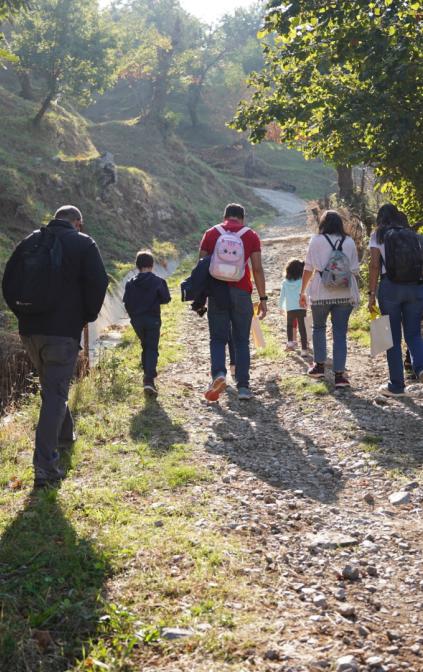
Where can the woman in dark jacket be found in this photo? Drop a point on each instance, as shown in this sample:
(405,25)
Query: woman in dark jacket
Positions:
(403,302)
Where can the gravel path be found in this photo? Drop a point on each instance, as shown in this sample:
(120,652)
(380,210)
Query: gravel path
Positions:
(305,479)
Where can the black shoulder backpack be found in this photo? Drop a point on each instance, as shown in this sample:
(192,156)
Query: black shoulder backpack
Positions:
(403,255)
(33,278)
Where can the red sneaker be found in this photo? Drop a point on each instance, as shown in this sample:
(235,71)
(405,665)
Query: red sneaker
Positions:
(216,388)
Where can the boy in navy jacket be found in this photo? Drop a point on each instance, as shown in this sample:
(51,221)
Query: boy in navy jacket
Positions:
(144,294)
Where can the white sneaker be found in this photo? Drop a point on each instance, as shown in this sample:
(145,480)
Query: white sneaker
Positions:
(304,353)
(384,389)
(291,345)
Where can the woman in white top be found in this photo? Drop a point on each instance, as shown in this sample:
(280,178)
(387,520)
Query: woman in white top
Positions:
(337,302)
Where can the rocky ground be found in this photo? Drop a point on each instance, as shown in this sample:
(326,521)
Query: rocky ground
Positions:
(324,489)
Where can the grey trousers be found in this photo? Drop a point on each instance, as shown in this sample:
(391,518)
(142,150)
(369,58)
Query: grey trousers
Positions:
(54,358)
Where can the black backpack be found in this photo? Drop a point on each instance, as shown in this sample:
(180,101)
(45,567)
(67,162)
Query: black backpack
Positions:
(403,255)
(33,278)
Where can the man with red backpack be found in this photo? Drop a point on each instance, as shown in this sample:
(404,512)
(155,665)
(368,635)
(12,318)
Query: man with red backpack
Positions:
(231,246)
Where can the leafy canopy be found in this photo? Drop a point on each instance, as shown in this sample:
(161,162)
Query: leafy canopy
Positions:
(344,79)
(64,43)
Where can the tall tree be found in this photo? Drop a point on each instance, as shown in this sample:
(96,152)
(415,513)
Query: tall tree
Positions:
(344,80)
(9,8)
(64,44)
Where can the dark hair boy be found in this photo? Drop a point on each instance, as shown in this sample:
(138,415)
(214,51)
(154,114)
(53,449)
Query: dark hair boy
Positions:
(144,294)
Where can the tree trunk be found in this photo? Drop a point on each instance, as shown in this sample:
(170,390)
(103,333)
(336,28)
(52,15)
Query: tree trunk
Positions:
(194,97)
(43,109)
(26,91)
(345,183)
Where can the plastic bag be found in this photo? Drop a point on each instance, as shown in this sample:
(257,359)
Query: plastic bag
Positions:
(256,330)
(380,334)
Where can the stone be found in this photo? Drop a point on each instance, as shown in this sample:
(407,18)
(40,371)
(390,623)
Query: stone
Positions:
(158,523)
(372,570)
(374,661)
(176,633)
(346,610)
(351,573)
(412,485)
(272,654)
(331,540)
(320,602)
(369,499)
(400,497)
(362,631)
(347,664)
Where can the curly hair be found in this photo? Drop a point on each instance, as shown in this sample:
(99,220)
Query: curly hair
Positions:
(294,269)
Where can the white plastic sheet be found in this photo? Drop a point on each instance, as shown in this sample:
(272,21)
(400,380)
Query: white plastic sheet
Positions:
(380,335)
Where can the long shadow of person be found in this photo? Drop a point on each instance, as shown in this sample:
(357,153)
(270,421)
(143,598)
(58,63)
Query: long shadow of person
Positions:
(394,428)
(50,584)
(154,425)
(253,437)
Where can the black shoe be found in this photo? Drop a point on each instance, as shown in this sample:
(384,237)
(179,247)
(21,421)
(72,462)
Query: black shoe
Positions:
(48,481)
(317,371)
(150,390)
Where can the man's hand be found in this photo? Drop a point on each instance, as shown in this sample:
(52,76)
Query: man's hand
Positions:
(303,301)
(262,310)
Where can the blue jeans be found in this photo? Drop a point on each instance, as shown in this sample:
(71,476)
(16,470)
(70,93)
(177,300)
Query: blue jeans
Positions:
(237,317)
(340,314)
(147,328)
(404,305)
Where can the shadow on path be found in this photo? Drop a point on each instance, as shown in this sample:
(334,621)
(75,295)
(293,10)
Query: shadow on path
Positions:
(50,584)
(154,425)
(252,436)
(397,426)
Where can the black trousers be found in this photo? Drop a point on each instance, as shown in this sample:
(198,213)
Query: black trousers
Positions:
(147,328)
(298,315)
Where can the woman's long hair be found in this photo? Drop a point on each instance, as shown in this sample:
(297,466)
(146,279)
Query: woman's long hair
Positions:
(331,222)
(388,217)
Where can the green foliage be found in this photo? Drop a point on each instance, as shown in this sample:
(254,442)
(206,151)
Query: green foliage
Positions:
(344,81)
(8,8)
(65,43)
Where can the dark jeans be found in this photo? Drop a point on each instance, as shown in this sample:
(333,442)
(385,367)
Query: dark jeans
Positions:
(298,315)
(147,328)
(54,358)
(340,315)
(404,305)
(221,320)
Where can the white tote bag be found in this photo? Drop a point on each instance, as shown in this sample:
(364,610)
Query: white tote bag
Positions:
(380,335)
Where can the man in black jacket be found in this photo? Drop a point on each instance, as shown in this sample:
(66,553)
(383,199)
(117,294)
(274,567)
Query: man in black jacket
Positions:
(52,338)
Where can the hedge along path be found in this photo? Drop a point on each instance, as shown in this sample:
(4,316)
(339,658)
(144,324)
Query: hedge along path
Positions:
(190,536)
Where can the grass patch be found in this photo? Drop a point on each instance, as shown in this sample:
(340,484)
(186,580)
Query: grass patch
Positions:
(303,386)
(371,443)
(359,325)
(273,350)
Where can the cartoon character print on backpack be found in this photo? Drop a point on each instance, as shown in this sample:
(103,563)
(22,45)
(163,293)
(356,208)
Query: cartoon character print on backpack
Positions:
(337,272)
(228,258)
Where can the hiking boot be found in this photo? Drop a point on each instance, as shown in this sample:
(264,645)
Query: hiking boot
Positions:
(384,389)
(316,371)
(341,380)
(150,390)
(216,388)
(44,481)
(245,394)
